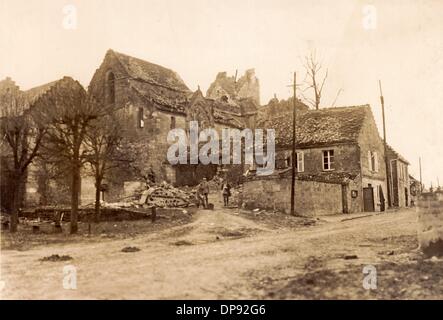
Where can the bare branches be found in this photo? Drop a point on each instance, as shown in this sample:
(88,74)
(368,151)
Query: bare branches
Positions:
(21,136)
(69,113)
(316,78)
(336,97)
(101,150)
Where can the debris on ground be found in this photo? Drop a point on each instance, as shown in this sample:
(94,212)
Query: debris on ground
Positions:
(350,257)
(56,258)
(165,195)
(233,233)
(309,222)
(130,249)
(182,243)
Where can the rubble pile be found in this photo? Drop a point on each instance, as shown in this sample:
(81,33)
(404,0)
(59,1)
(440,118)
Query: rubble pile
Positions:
(165,195)
(162,195)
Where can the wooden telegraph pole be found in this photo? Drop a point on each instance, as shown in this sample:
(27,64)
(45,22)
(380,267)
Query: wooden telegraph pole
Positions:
(421,181)
(388,180)
(294,163)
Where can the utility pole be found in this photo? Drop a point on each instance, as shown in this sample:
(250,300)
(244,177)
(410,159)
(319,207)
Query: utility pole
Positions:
(294,160)
(421,182)
(388,180)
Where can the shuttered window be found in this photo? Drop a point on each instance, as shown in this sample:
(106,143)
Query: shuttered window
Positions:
(376,166)
(300,162)
(373,161)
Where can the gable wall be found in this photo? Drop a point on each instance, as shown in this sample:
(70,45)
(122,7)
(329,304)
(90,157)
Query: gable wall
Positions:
(369,140)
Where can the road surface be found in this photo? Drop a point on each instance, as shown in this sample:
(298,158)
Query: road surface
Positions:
(222,254)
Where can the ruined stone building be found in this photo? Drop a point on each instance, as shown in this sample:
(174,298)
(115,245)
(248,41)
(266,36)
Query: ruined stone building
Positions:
(339,161)
(276,107)
(229,88)
(157,100)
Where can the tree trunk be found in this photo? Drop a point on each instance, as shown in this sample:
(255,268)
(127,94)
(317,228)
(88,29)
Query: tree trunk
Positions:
(98,183)
(15,204)
(74,198)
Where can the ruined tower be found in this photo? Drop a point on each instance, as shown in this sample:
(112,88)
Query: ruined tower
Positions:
(231,88)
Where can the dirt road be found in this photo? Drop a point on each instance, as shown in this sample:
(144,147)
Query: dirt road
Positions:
(225,255)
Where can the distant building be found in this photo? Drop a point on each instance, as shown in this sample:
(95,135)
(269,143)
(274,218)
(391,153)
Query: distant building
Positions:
(415,188)
(231,88)
(399,178)
(276,107)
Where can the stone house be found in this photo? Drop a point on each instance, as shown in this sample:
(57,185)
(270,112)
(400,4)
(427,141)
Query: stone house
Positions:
(339,163)
(399,179)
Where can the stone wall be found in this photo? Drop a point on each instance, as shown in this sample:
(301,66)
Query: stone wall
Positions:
(312,198)
(370,141)
(346,160)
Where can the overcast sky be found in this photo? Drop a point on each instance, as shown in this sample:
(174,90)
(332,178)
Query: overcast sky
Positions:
(198,38)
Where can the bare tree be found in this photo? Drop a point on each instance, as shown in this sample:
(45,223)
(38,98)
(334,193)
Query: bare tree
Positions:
(103,142)
(316,76)
(69,112)
(22,136)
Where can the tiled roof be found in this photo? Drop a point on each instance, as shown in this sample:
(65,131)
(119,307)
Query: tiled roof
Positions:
(222,112)
(226,119)
(31,96)
(152,73)
(36,92)
(162,99)
(319,127)
(392,154)
(158,85)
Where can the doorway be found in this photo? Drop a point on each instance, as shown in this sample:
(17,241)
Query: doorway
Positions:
(406,197)
(368,199)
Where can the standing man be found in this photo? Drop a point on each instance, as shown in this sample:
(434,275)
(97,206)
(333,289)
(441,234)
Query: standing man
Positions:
(226,188)
(204,190)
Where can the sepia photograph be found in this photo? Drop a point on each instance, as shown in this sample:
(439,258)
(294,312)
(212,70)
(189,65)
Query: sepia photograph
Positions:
(201,150)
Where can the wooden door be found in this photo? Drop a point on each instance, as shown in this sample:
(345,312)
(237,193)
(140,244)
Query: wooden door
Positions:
(368,199)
